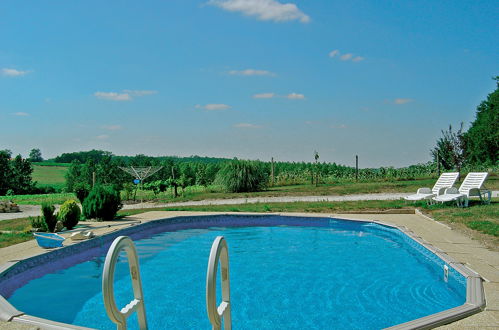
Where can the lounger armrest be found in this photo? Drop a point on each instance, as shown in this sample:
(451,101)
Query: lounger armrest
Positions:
(475,192)
(424,191)
(441,191)
(451,190)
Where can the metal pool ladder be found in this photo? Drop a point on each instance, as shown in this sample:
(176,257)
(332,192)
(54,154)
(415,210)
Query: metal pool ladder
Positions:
(137,304)
(219,251)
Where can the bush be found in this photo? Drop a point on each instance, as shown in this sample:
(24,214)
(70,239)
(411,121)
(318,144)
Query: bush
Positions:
(81,190)
(48,216)
(102,203)
(242,176)
(69,214)
(38,222)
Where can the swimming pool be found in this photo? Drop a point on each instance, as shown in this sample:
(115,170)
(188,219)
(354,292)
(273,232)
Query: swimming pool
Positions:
(286,272)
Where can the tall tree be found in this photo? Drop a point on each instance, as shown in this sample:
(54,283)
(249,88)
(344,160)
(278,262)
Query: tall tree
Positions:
(21,175)
(5,171)
(482,138)
(35,155)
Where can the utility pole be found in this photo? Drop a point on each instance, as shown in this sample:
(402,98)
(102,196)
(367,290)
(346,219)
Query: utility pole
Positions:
(356,168)
(272,172)
(93,179)
(174,184)
(316,156)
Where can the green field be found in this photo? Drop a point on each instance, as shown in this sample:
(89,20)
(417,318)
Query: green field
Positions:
(49,175)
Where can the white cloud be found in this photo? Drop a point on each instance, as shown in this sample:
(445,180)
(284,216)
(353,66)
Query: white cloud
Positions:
(112,96)
(246,125)
(251,72)
(213,106)
(139,93)
(102,137)
(264,10)
(295,96)
(402,101)
(264,96)
(125,95)
(13,72)
(112,127)
(346,57)
(21,114)
(333,53)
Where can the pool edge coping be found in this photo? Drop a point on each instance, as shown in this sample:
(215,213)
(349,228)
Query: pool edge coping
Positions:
(475,297)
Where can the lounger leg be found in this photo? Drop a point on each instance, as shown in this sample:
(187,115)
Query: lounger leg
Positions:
(466,200)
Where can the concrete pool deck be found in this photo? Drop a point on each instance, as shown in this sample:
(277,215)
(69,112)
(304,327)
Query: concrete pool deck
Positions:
(461,248)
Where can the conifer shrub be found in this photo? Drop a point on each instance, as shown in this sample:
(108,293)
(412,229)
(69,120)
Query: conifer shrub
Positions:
(102,203)
(48,216)
(81,190)
(69,214)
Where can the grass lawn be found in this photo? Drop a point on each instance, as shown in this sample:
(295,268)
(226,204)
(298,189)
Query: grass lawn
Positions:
(38,199)
(20,228)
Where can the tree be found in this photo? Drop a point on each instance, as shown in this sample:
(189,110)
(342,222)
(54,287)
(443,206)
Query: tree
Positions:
(5,171)
(482,138)
(451,149)
(35,155)
(21,175)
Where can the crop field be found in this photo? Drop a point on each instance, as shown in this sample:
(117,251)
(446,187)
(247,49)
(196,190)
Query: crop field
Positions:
(49,175)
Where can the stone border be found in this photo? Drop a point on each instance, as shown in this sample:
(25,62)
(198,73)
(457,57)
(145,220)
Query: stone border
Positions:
(475,298)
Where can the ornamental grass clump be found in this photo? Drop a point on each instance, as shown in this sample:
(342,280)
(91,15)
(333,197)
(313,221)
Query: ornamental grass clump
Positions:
(242,176)
(69,214)
(102,203)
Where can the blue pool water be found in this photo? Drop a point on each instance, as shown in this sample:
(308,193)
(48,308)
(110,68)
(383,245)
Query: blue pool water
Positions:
(336,275)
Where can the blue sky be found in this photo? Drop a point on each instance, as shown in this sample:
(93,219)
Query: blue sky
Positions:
(251,79)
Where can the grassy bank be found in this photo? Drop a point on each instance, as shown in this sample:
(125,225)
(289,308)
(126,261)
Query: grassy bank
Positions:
(38,199)
(19,231)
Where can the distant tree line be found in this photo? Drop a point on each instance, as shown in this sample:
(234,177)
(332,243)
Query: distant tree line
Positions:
(477,147)
(98,155)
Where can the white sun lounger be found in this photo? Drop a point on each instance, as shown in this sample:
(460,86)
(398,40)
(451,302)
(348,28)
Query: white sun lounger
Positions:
(446,180)
(472,186)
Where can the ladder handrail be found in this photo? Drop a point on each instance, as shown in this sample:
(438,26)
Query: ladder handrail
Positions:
(219,251)
(137,304)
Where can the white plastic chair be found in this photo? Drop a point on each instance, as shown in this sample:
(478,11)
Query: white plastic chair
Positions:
(472,186)
(445,181)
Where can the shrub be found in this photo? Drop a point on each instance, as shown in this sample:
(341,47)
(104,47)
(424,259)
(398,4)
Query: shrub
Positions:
(48,216)
(102,203)
(38,222)
(69,214)
(81,190)
(242,176)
